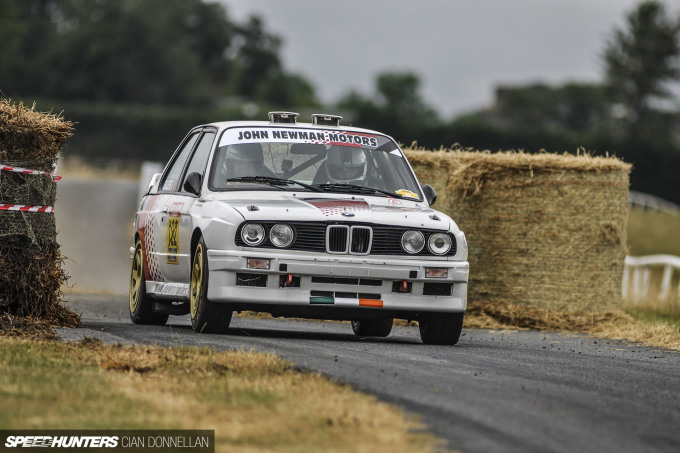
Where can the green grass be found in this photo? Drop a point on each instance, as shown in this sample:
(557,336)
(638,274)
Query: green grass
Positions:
(253,401)
(651,233)
(653,316)
(39,385)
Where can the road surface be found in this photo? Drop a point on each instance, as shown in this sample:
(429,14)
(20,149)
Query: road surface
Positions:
(496,391)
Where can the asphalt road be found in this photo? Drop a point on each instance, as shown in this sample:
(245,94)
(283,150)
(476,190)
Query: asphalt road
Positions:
(505,391)
(96,215)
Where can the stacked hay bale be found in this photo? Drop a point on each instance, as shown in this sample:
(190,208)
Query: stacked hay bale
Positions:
(31,273)
(544,230)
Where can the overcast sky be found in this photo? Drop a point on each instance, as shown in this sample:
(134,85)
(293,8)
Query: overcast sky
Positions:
(460,49)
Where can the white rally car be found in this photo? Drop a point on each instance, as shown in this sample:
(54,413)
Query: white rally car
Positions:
(311,220)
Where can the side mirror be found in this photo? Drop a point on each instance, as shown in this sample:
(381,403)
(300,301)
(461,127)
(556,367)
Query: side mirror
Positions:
(192,183)
(152,182)
(430,194)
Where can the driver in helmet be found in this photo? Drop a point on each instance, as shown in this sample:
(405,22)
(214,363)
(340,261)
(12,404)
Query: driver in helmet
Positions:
(243,159)
(345,165)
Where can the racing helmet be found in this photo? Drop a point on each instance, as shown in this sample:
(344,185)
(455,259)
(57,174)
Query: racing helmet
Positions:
(243,159)
(345,164)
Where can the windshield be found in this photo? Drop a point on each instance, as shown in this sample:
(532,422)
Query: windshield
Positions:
(277,158)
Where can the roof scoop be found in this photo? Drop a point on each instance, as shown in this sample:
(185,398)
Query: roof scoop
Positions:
(322,119)
(283,117)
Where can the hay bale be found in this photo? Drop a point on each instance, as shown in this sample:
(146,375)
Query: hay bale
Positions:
(31,266)
(544,230)
(30,278)
(31,137)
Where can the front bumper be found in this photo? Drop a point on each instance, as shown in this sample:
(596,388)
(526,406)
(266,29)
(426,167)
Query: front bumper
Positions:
(347,281)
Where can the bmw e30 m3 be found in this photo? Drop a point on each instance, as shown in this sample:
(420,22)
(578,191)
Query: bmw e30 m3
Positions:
(310,220)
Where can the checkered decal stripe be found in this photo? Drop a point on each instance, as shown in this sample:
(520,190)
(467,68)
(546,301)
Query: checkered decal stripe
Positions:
(150,247)
(329,208)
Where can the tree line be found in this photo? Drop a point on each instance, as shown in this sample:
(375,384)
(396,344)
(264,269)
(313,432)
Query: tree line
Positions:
(136,74)
(631,113)
(172,52)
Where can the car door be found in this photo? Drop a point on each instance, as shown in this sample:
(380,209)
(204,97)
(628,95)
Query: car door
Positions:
(180,221)
(165,213)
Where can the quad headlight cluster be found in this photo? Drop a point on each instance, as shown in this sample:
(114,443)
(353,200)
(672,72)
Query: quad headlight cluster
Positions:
(281,235)
(413,241)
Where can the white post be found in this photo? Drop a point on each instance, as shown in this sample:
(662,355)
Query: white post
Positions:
(666,281)
(645,282)
(637,277)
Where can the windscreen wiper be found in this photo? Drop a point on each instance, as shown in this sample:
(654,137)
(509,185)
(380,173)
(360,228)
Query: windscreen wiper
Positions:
(274,181)
(353,188)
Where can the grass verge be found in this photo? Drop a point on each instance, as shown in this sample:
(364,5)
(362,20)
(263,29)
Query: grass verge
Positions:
(634,326)
(253,401)
(653,232)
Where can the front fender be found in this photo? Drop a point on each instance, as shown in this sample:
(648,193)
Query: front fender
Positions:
(217,223)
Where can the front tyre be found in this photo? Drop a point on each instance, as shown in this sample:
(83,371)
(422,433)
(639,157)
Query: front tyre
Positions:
(372,327)
(206,316)
(141,305)
(440,328)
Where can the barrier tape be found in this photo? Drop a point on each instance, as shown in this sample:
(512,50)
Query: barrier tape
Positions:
(25,208)
(26,171)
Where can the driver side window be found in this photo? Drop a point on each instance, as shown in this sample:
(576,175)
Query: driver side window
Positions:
(171,181)
(200,158)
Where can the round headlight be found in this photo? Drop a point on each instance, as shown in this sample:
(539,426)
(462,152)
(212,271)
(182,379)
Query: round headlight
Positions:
(439,243)
(252,234)
(412,241)
(281,235)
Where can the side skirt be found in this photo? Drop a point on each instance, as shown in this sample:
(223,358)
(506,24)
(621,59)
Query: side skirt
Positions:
(168,291)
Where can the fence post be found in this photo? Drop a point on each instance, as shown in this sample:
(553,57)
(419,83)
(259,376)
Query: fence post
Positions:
(637,277)
(645,282)
(666,281)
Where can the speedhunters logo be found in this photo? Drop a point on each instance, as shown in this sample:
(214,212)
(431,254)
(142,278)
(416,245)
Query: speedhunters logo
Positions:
(110,440)
(62,441)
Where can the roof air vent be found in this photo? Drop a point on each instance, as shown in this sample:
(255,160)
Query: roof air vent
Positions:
(283,117)
(321,119)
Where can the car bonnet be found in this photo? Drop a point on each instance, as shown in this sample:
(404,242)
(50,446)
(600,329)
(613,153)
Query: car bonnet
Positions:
(306,207)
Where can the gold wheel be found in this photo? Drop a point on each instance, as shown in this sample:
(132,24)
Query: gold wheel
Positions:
(196,280)
(136,279)
(141,305)
(206,316)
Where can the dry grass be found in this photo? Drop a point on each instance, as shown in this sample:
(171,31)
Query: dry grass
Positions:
(37,328)
(612,324)
(255,402)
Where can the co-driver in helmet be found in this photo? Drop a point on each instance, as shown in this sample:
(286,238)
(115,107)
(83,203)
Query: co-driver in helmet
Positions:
(243,159)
